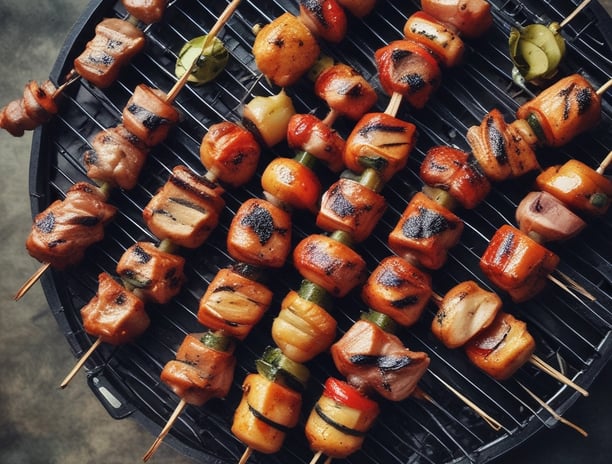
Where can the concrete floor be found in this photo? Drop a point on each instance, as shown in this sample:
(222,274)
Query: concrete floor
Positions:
(41,424)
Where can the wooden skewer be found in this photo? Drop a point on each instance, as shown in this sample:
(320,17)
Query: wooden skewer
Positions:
(394,104)
(574,13)
(604,164)
(601,90)
(567,289)
(27,285)
(542,365)
(246,455)
(316,457)
(80,363)
(225,16)
(554,413)
(177,412)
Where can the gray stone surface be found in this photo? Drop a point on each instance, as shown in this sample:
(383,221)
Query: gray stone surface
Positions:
(41,424)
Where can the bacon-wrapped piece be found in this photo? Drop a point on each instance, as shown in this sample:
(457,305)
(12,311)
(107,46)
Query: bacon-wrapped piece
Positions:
(234,302)
(185,210)
(308,133)
(147,11)
(116,157)
(303,328)
(502,348)
(578,186)
(562,111)
(351,207)
(285,49)
(36,107)
(324,18)
(340,420)
(375,361)
(425,232)
(503,150)
(465,311)
(329,263)
(345,91)
(435,35)
(290,184)
(260,234)
(544,218)
(408,68)
(230,153)
(114,315)
(398,289)
(149,116)
(517,264)
(456,172)
(203,368)
(116,42)
(380,141)
(155,274)
(471,18)
(66,228)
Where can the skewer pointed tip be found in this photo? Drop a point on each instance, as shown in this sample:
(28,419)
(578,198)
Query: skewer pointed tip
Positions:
(158,441)
(28,284)
(80,363)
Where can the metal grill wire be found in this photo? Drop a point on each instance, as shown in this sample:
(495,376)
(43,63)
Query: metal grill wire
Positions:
(573,334)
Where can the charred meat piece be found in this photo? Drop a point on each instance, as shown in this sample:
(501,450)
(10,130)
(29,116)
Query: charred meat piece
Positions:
(465,311)
(155,274)
(329,263)
(425,232)
(345,91)
(116,42)
(37,106)
(517,264)
(66,228)
(260,234)
(562,111)
(324,18)
(308,133)
(149,116)
(502,348)
(381,142)
(203,368)
(230,153)
(233,304)
(375,361)
(472,18)
(398,289)
(285,49)
(114,315)
(351,207)
(185,210)
(456,172)
(408,68)
(116,157)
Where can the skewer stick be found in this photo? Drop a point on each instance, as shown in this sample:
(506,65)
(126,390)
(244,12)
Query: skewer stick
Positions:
(80,363)
(225,16)
(563,286)
(246,455)
(542,365)
(574,13)
(27,285)
(394,104)
(493,423)
(316,457)
(177,412)
(576,286)
(604,164)
(603,89)
(554,413)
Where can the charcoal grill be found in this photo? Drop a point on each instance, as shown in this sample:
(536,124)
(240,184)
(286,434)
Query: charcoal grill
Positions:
(573,333)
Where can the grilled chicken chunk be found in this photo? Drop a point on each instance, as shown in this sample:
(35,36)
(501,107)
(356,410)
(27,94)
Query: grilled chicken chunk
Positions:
(373,360)
(114,315)
(472,18)
(66,228)
(116,42)
(324,18)
(37,106)
(147,11)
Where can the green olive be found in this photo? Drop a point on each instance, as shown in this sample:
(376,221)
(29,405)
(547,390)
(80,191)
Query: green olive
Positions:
(210,59)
